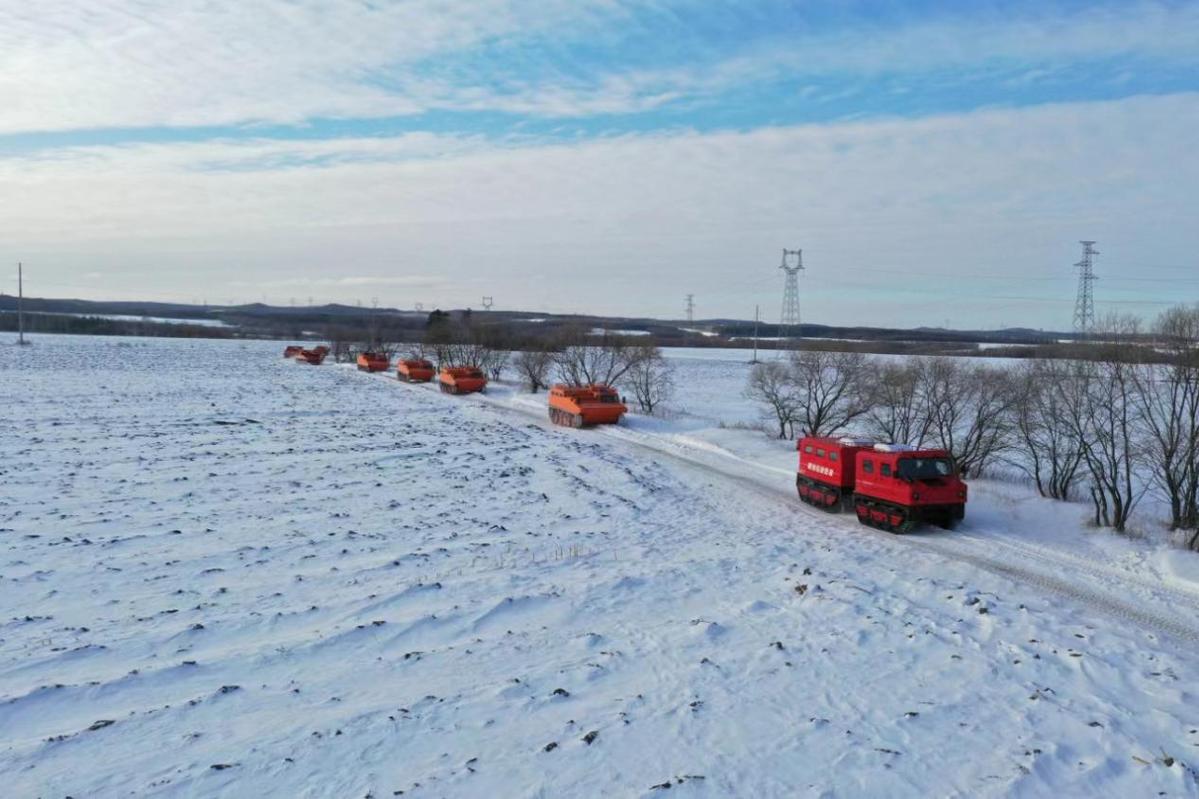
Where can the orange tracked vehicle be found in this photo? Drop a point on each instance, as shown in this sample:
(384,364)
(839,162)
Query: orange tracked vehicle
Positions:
(292,350)
(314,356)
(414,370)
(584,406)
(373,362)
(462,379)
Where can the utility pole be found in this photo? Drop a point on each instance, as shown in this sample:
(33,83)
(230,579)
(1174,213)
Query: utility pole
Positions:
(790,315)
(21,304)
(757,316)
(1084,304)
(690,307)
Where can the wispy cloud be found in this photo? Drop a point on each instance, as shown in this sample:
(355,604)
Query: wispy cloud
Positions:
(76,64)
(73,64)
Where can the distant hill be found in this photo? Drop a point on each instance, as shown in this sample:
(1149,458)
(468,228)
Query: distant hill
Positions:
(259,319)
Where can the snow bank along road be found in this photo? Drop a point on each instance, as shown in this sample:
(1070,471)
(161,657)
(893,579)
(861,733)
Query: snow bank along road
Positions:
(225,574)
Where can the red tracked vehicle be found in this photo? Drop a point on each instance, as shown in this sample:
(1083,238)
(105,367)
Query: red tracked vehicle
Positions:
(373,362)
(314,356)
(292,350)
(414,370)
(889,486)
(584,406)
(462,379)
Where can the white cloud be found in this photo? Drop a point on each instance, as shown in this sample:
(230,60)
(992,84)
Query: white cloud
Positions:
(68,64)
(75,64)
(626,223)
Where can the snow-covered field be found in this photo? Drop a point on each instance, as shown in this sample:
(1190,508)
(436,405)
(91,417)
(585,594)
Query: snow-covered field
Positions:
(227,574)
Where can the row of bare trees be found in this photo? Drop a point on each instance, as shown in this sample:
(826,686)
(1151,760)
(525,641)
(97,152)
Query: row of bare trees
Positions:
(1109,429)
(573,356)
(928,401)
(577,358)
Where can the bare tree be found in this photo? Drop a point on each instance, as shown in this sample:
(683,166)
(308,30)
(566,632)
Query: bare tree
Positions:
(828,386)
(771,383)
(341,343)
(533,366)
(496,345)
(897,405)
(1167,399)
(464,344)
(418,351)
(968,410)
(1107,421)
(1047,445)
(651,378)
(381,346)
(604,359)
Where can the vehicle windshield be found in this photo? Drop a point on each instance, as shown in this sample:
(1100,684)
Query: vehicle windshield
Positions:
(924,468)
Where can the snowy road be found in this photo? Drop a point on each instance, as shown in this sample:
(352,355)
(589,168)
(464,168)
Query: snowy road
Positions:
(225,574)
(985,540)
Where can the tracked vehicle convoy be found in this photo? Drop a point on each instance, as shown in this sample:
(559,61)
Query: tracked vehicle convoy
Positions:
(585,406)
(889,486)
(892,487)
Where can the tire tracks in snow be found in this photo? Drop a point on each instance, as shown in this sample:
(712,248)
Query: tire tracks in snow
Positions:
(1100,595)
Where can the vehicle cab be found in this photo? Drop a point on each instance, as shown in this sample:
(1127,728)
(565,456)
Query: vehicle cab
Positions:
(926,481)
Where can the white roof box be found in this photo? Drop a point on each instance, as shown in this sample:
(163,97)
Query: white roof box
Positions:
(850,441)
(894,448)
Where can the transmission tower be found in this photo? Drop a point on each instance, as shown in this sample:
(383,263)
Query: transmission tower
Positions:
(487,303)
(790,317)
(1084,306)
(690,307)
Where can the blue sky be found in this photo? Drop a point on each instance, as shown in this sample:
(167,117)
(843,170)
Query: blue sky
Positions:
(937,161)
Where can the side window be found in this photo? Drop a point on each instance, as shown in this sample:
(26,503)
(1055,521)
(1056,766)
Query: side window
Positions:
(832,456)
(808,448)
(819,452)
(885,469)
(868,466)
